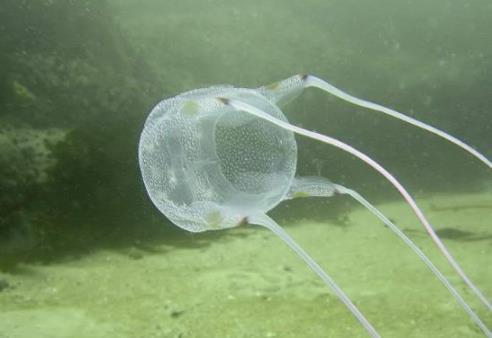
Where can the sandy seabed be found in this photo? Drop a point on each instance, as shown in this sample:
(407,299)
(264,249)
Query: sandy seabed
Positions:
(248,283)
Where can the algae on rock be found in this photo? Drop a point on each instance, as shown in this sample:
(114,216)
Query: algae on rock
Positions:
(72,90)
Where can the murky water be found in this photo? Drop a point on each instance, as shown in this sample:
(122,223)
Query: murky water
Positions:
(83,252)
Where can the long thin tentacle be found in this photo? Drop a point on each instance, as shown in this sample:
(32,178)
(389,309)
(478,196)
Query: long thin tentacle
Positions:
(313,81)
(269,223)
(342,190)
(243,106)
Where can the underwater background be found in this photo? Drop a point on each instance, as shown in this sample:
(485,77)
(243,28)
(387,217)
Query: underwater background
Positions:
(84,253)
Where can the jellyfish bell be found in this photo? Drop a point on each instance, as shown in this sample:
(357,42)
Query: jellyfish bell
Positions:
(201,158)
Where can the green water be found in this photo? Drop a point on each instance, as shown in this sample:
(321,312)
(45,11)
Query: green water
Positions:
(83,252)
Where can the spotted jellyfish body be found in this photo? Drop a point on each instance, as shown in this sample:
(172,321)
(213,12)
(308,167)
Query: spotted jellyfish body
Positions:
(207,166)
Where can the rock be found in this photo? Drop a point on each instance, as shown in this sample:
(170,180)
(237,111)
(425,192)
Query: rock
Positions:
(176,313)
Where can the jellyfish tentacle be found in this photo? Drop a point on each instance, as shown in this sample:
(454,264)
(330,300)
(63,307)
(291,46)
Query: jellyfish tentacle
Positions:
(243,106)
(313,81)
(322,187)
(286,90)
(267,222)
(356,196)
